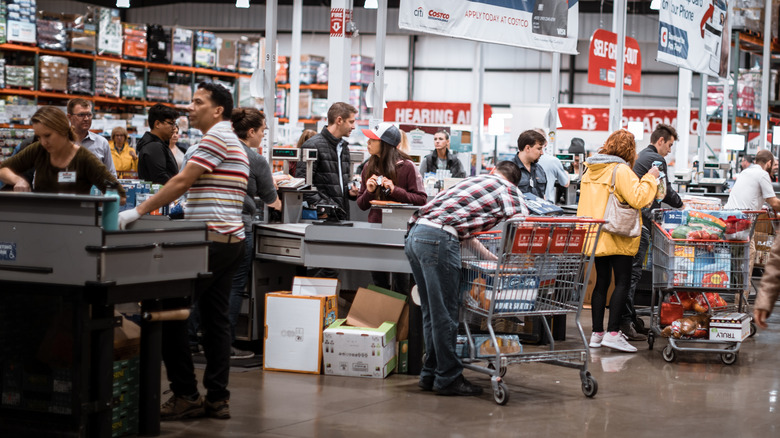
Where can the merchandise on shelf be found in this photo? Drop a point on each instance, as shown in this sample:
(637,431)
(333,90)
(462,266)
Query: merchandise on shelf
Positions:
(79,80)
(135,41)
(20,76)
(361,70)
(748,15)
(226,54)
(20,21)
(53,74)
(319,107)
(282,69)
(205,49)
(52,33)
(133,83)
(181,93)
(109,32)
(357,100)
(247,56)
(182,46)
(2,72)
(82,33)
(159,40)
(3,14)
(107,78)
(10,138)
(281,103)
(322,73)
(245,99)
(309,66)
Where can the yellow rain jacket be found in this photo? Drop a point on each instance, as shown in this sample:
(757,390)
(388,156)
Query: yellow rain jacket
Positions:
(594,191)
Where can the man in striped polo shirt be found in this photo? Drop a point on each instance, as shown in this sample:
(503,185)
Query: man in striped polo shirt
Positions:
(215,178)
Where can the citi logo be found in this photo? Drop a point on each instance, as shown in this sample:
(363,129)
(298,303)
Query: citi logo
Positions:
(419,12)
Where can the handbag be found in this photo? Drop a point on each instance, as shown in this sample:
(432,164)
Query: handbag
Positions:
(622,219)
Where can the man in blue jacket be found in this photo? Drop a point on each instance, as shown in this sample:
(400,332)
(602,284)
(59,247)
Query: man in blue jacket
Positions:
(661,141)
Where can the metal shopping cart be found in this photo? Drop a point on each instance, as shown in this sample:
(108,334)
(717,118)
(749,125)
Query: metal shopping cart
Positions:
(702,270)
(537,266)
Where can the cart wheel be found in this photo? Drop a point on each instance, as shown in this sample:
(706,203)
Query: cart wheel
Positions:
(590,386)
(501,394)
(728,358)
(669,354)
(650,340)
(753,329)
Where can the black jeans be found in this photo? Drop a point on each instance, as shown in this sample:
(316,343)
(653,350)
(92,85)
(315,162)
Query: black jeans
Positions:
(211,297)
(629,314)
(605,266)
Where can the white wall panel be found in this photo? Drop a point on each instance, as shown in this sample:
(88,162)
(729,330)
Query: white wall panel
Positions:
(443,86)
(443,52)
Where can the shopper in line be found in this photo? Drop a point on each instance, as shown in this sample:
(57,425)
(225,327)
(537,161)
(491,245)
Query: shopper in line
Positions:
(530,147)
(436,233)
(249,126)
(60,165)
(773,173)
(553,172)
(769,289)
(614,254)
(661,141)
(331,173)
(215,180)
(747,161)
(442,158)
(156,162)
(173,145)
(124,157)
(305,135)
(80,116)
(389,175)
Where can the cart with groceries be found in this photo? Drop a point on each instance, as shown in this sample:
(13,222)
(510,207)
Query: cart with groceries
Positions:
(701,263)
(535,266)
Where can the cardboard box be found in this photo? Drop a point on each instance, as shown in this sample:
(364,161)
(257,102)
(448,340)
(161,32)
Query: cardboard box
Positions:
(315,286)
(375,305)
(127,339)
(729,327)
(359,351)
(293,331)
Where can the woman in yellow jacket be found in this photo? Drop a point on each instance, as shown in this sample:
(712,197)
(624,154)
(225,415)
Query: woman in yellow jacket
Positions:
(613,252)
(125,158)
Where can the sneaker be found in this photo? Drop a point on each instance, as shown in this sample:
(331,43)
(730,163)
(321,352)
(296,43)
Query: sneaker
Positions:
(179,408)
(236,353)
(617,342)
(460,386)
(219,409)
(595,339)
(426,383)
(629,329)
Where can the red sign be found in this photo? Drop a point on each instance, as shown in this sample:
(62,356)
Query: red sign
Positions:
(337,22)
(602,61)
(431,113)
(597,119)
(530,240)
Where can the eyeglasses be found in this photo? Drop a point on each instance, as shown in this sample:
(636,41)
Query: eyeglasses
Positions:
(170,122)
(83,115)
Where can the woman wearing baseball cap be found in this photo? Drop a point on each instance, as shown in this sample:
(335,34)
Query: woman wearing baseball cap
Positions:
(389,175)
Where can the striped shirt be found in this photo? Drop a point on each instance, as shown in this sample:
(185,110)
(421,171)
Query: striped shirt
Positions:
(473,205)
(217,196)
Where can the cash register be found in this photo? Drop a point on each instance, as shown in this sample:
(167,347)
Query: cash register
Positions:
(712,178)
(572,165)
(291,191)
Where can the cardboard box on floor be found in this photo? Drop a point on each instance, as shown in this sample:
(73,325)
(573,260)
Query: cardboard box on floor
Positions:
(364,344)
(294,322)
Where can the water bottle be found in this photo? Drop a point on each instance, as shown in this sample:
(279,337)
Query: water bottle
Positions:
(660,193)
(111,208)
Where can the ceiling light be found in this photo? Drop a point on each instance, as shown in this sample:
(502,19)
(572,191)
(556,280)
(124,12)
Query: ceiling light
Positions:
(370,4)
(122,3)
(655,5)
(242,4)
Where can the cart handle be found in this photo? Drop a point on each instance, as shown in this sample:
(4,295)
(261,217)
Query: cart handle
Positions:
(573,220)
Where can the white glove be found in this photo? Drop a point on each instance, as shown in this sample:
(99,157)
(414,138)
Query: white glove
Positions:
(127,217)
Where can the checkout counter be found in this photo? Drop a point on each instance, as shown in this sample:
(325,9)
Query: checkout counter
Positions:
(61,275)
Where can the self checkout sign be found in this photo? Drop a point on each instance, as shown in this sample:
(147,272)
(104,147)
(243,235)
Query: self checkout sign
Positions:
(337,22)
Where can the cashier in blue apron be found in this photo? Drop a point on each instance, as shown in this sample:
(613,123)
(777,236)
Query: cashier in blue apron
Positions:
(530,146)
(60,165)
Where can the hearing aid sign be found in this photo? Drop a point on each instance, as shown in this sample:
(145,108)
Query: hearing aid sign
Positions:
(694,34)
(546,25)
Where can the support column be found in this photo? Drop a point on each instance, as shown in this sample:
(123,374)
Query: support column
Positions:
(269,103)
(765,74)
(295,63)
(556,88)
(339,52)
(684,84)
(379,61)
(478,108)
(616,94)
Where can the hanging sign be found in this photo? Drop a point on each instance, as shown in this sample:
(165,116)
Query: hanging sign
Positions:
(694,34)
(547,25)
(583,118)
(431,113)
(602,61)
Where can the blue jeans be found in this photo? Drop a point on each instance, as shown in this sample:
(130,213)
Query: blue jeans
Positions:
(434,256)
(239,282)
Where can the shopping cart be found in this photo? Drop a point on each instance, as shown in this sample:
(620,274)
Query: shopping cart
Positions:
(697,269)
(536,266)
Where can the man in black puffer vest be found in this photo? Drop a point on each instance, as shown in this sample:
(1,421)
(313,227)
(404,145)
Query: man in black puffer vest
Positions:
(331,172)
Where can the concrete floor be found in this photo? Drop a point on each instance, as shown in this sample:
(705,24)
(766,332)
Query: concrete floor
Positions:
(639,395)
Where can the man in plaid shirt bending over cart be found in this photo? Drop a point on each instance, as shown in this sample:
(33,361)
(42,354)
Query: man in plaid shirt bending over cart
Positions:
(433,245)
